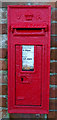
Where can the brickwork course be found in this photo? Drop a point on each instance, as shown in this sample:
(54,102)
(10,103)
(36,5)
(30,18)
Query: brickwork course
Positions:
(4,67)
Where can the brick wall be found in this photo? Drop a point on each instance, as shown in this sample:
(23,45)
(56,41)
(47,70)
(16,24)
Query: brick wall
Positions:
(4,67)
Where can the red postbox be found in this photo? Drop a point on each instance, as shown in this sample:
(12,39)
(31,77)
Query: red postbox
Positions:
(28,58)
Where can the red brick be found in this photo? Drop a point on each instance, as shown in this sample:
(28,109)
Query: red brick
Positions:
(3,77)
(56,4)
(54,15)
(53,28)
(3,90)
(3,53)
(53,92)
(51,115)
(0,65)
(3,102)
(52,67)
(0,28)
(53,104)
(3,65)
(56,67)
(3,28)
(56,115)
(53,80)
(53,41)
(53,54)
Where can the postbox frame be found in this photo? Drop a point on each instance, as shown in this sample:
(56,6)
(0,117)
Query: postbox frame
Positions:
(12,108)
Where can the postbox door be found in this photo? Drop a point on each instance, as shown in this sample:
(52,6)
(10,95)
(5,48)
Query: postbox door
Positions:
(28,75)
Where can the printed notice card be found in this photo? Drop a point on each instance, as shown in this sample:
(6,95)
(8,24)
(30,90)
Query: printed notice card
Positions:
(27,57)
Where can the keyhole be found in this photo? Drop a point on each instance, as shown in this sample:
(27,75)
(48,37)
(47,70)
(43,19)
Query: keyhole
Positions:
(21,79)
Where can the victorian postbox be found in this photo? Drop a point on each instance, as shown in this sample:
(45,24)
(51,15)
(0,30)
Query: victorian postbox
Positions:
(28,58)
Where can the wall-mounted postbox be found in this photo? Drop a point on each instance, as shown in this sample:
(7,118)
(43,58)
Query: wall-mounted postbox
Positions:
(28,58)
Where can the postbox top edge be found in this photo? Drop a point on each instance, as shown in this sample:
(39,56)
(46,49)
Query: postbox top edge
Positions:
(29,6)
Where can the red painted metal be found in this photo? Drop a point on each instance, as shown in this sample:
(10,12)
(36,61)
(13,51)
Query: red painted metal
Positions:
(28,91)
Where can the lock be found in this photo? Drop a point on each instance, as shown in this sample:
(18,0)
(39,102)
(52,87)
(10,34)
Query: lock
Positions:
(24,80)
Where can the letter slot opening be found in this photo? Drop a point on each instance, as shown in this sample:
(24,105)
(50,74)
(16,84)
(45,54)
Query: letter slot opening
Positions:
(29,31)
